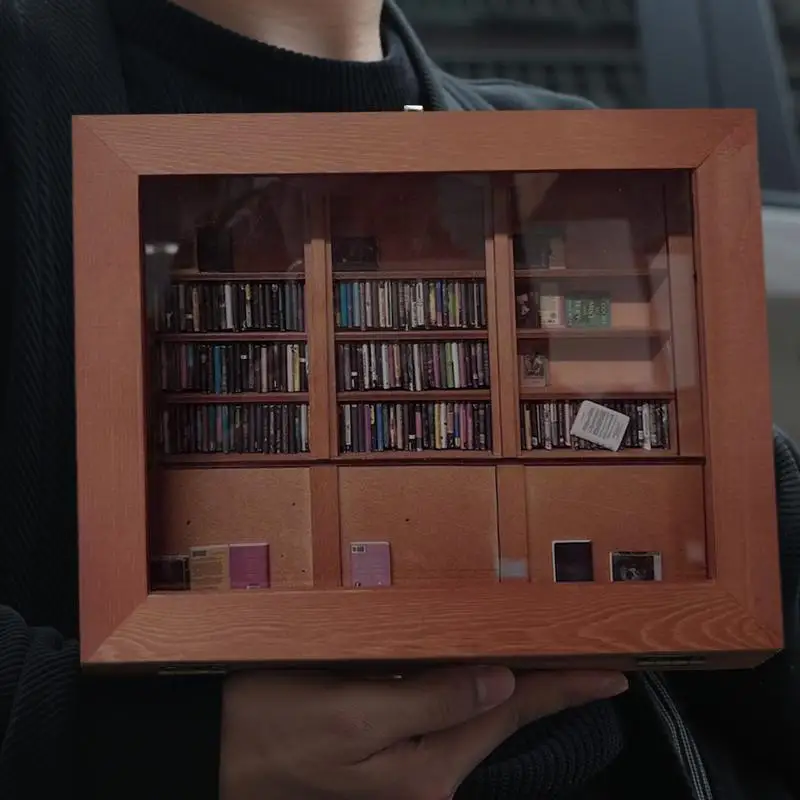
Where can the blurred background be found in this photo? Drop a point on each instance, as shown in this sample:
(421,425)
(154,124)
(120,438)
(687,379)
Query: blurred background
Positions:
(665,54)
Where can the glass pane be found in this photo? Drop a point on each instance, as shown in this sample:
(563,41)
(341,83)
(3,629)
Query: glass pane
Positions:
(411,314)
(225,286)
(224,261)
(415,332)
(594,313)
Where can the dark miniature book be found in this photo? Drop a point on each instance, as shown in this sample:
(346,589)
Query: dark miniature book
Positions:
(541,247)
(533,371)
(635,566)
(169,574)
(573,562)
(214,248)
(354,252)
(527,310)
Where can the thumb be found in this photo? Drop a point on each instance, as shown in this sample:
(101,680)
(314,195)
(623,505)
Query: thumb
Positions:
(459,750)
(436,700)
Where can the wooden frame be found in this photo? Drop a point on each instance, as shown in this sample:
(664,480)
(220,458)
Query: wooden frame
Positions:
(732,618)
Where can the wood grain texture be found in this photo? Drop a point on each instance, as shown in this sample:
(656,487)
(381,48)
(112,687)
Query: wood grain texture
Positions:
(505,383)
(112,492)
(319,328)
(396,143)
(497,343)
(510,620)
(512,523)
(450,517)
(325,527)
(738,416)
(685,335)
(441,522)
(659,508)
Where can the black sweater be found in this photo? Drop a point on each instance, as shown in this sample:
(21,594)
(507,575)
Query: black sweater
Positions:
(61,734)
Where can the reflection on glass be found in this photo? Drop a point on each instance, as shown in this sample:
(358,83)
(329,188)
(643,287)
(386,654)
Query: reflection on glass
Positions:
(593,311)
(224,267)
(411,317)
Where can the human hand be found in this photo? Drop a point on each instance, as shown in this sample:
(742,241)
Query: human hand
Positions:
(293,736)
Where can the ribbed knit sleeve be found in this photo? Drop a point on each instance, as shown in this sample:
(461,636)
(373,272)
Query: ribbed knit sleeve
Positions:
(755,713)
(70,736)
(155,738)
(38,703)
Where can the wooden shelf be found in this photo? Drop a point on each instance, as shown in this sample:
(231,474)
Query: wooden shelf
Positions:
(581,274)
(592,333)
(431,395)
(234,459)
(587,393)
(439,334)
(414,274)
(588,456)
(229,336)
(527,457)
(200,398)
(414,267)
(234,277)
(426,456)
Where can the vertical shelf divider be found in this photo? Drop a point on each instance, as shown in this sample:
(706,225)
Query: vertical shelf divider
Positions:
(319,326)
(688,415)
(502,334)
(324,478)
(492,317)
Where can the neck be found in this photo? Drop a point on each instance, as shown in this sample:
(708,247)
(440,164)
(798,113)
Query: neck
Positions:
(346,30)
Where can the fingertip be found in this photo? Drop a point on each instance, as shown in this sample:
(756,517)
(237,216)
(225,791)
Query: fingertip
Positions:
(577,687)
(598,685)
(611,685)
(493,686)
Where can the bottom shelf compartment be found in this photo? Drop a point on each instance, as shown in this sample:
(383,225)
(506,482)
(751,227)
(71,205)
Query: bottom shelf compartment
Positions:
(222,511)
(412,526)
(616,523)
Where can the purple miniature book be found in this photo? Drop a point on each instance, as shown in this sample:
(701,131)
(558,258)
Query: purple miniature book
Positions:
(370,564)
(249,566)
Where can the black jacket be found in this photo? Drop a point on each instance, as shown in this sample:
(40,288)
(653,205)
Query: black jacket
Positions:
(731,736)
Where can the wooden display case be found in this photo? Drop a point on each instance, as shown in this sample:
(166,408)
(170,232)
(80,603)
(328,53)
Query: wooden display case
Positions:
(423,387)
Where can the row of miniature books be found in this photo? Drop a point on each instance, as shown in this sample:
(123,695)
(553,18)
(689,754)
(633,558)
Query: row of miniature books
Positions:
(421,304)
(229,566)
(413,304)
(229,307)
(385,427)
(414,427)
(244,428)
(573,562)
(589,425)
(412,366)
(231,368)
(247,566)
(546,306)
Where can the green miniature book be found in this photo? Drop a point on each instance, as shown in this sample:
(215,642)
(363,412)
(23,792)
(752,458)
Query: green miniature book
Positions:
(588,311)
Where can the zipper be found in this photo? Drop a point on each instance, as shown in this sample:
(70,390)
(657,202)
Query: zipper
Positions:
(680,737)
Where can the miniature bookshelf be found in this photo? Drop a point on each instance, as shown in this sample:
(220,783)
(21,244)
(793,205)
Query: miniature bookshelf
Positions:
(400,281)
(474,402)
